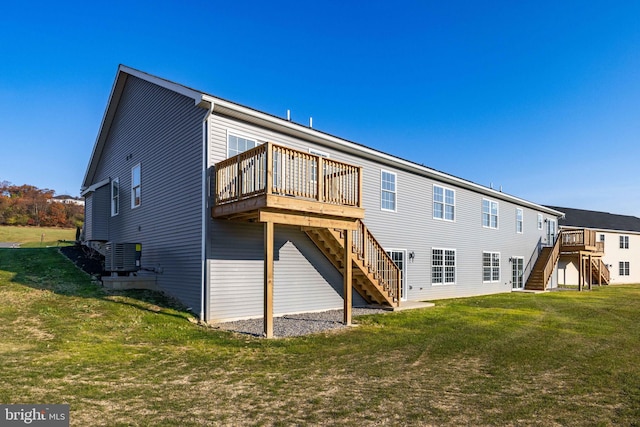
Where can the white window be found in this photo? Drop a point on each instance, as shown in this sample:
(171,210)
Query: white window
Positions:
(489,213)
(388,191)
(444,203)
(624,268)
(519,220)
(115,197)
(443,266)
(539,221)
(490,267)
(624,242)
(239,144)
(135,186)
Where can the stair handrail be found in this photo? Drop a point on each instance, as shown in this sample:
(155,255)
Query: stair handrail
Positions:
(375,257)
(532,260)
(551,261)
(603,270)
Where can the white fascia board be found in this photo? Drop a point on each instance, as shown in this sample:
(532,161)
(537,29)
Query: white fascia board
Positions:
(95,186)
(378,156)
(175,87)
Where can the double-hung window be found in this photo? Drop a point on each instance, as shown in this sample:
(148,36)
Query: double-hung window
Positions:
(624,242)
(115,197)
(239,144)
(519,220)
(136,186)
(624,268)
(443,266)
(489,213)
(539,221)
(444,203)
(388,191)
(490,267)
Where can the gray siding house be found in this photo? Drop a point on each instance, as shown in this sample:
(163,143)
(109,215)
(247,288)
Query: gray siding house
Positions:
(244,214)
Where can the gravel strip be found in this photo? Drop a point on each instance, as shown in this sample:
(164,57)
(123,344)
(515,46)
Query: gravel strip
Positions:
(295,325)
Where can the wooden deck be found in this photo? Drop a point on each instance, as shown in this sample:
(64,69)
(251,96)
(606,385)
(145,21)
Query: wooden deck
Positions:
(581,240)
(275,183)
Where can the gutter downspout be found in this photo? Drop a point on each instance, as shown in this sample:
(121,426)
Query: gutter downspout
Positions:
(205,192)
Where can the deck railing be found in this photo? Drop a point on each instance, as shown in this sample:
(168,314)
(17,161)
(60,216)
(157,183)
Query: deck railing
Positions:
(367,248)
(277,170)
(551,261)
(580,238)
(603,270)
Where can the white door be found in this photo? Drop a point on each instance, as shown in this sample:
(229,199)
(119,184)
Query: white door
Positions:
(399,256)
(551,232)
(517,267)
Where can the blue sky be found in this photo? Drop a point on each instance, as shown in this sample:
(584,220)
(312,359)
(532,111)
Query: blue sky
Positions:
(541,98)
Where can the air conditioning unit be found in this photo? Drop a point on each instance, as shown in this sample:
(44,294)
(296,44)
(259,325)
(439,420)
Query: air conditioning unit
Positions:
(122,257)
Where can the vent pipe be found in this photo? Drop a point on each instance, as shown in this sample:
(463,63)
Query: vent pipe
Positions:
(288,115)
(310,122)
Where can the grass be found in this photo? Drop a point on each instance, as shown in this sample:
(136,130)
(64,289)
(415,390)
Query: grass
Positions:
(34,237)
(563,358)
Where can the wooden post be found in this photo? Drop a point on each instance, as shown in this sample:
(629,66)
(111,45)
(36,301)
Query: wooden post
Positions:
(579,271)
(360,187)
(599,271)
(348,289)
(268,189)
(320,179)
(399,291)
(590,271)
(268,279)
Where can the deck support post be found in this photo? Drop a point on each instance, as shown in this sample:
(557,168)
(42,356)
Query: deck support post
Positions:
(590,272)
(599,271)
(580,271)
(268,279)
(347,276)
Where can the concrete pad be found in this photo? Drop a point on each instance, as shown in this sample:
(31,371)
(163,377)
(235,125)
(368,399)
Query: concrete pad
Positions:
(118,283)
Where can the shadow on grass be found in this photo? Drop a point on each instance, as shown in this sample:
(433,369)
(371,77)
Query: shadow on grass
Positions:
(48,269)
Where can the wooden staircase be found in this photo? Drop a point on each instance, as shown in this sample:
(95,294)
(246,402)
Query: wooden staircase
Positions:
(374,274)
(600,272)
(543,268)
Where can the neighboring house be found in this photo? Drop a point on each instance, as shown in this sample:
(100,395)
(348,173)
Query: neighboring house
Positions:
(67,200)
(617,238)
(243,214)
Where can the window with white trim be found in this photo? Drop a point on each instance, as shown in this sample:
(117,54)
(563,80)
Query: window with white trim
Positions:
(624,242)
(624,268)
(539,221)
(602,238)
(443,266)
(490,267)
(489,213)
(239,144)
(115,197)
(519,220)
(444,203)
(388,191)
(136,186)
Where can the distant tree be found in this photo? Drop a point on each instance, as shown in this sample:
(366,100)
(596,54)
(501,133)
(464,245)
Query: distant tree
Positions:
(29,205)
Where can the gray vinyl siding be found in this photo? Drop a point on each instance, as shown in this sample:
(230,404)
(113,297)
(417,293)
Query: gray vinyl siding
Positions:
(162,131)
(97,212)
(304,280)
(411,228)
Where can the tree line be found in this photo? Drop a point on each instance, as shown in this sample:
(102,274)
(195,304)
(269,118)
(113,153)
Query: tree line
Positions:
(29,205)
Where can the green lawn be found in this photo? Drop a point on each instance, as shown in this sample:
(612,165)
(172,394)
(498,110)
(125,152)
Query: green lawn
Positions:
(33,237)
(563,358)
